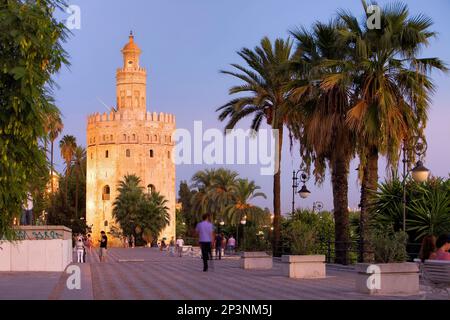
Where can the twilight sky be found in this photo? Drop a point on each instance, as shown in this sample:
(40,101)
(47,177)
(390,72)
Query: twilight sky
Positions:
(186,42)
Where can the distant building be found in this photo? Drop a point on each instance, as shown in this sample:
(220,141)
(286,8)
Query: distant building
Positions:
(54,180)
(128,140)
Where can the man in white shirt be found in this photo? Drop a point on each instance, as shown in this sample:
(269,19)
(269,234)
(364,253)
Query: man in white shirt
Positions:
(205,231)
(180,244)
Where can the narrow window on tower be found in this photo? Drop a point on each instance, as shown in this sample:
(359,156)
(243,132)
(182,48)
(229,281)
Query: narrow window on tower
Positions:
(134,137)
(106,193)
(106,154)
(155,138)
(168,154)
(151,153)
(150,188)
(128,153)
(124,137)
(111,137)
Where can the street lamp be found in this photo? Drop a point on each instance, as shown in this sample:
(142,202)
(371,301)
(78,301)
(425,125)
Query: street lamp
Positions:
(419,173)
(221,224)
(243,222)
(304,192)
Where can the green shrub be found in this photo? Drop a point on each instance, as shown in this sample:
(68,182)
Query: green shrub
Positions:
(389,245)
(303,238)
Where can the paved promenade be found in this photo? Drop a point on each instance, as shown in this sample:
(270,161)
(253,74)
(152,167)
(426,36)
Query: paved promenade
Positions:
(144,273)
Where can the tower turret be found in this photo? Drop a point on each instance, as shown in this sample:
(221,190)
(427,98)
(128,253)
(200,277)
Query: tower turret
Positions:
(131,80)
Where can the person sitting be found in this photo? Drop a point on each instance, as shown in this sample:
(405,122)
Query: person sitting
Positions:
(443,245)
(428,248)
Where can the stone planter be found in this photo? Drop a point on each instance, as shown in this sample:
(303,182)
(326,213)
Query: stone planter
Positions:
(256,260)
(387,278)
(304,266)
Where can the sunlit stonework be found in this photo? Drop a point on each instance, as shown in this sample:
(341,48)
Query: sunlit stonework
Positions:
(128,140)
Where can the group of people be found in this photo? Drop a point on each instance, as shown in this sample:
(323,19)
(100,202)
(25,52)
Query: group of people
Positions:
(83,243)
(209,240)
(435,249)
(128,241)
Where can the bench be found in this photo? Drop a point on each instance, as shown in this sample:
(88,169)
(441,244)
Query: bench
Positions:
(436,274)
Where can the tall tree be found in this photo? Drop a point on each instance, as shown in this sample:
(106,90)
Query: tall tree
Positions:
(55,127)
(322,89)
(68,145)
(79,164)
(245,192)
(392,91)
(30,53)
(266,97)
(185,196)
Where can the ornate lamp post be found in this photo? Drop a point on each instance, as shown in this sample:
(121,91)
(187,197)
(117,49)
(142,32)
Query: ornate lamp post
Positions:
(303,192)
(243,222)
(419,173)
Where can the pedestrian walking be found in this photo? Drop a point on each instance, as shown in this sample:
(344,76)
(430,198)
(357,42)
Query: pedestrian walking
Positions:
(89,242)
(231,244)
(180,244)
(205,231)
(103,246)
(218,246)
(132,241)
(163,244)
(79,245)
(172,247)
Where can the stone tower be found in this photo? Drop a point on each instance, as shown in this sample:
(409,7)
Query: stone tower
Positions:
(128,140)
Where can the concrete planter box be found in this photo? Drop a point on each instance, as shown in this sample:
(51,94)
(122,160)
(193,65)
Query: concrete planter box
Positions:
(304,266)
(388,278)
(256,260)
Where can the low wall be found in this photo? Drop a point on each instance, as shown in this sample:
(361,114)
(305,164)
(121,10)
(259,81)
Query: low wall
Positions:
(39,248)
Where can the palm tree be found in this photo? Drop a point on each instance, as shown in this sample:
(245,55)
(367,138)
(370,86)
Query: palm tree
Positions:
(322,89)
(202,182)
(68,146)
(127,204)
(138,212)
(222,192)
(392,89)
(245,192)
(267,97)
(54,129)
(79,162)
(155,215)
(215,191)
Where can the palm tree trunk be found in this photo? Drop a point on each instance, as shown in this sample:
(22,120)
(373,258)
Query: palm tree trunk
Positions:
(368,186)
(277,197)
(51,167)
(67,180)
(339,180)
(76,195)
